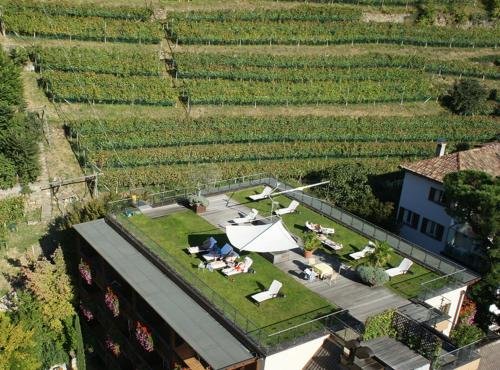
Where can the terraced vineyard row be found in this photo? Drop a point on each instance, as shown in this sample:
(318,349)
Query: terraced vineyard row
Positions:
(136,133)
(173,176)
(38,22)
(117,60)
(220,92)
(265,67)
(268,151)
(323,33)
(108,89)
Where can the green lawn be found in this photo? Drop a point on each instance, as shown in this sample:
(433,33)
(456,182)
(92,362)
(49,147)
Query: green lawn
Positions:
(175,232)
(406,285)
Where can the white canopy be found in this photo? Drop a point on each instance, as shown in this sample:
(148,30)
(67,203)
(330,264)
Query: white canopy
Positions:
(261,238)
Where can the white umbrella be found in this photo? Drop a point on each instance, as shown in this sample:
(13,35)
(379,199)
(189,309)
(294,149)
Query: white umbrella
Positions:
(261,238)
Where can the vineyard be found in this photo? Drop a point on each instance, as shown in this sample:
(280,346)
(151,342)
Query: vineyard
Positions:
(256,58)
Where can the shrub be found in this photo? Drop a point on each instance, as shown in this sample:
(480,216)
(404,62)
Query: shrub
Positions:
(379,325)
(7,172)
(372,275)
(197,200)
(464,334)
(311,242)
(466,97)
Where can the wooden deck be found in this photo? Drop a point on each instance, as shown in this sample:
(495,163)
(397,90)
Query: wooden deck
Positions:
(346,292)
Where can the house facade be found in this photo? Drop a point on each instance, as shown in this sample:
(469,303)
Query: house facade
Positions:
(421,211)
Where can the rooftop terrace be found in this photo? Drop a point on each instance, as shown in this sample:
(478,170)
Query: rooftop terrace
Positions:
(306,307)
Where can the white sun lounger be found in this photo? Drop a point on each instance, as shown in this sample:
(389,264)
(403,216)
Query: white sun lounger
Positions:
(330,243)
(265,193)
(207,245)
(290,209)
(317,228)
(369,249)
(248,218)
(272,292)
(403,268)
(241,267)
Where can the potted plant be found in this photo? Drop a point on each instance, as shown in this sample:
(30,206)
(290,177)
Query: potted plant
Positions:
(144,337)
(198,203)
(85,271)
(112,302)
(311,243)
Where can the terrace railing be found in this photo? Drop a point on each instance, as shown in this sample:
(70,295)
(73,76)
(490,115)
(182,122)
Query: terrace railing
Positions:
(433,261)
(454,358)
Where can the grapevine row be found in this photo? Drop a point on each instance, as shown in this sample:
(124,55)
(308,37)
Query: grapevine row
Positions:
(133,60)
(204,65)
(135,133)
(82,28)
(80,10)
(109,89)
(255,152)
(220,92)
(317,33)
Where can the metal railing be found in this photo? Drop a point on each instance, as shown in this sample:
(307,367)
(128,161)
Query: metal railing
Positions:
(457,357)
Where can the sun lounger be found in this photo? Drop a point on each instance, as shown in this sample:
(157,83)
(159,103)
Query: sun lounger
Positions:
(248,218)
(225,251)
(403,268)
(207,245)
(241,267)
(272,292)
(369,249)
(290,209)
(265,193)
(317,228)
(216,265)
(330,243)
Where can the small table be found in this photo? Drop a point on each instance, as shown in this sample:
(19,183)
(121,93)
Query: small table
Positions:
(323,270)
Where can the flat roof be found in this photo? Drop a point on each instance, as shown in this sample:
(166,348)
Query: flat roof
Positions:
(195,325)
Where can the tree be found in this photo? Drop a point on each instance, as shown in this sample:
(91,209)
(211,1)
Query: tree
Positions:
(381,256)
(7,172)
(11,88)
(473,197)
(466,97)
(16,346)
(51,285)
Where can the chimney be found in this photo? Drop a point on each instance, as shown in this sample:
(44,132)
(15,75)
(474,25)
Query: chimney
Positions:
(441,147)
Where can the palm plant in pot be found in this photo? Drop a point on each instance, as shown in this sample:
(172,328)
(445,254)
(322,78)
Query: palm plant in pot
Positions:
(311,243)
(198,203)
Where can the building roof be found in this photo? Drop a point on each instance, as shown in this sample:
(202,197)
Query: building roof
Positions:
(195,325)
(485,158)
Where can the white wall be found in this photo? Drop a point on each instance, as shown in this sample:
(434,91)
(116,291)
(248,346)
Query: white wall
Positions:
(455,298)
(414,197)
(294,358)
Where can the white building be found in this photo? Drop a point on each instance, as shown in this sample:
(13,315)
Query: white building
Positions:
(421,211)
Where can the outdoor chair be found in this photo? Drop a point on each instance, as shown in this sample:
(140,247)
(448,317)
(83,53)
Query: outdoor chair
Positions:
(369,249)
(239,268)
(317,228)
(403,268)
(290,209)
(272,292)
(310,274)
(216,265)
(207,245)
(265,193)
(225,251)
(248,218)
(330,243)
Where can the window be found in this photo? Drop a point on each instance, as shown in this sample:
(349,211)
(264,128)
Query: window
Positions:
(436,195)
(408,217)
(445,308)
(433,229)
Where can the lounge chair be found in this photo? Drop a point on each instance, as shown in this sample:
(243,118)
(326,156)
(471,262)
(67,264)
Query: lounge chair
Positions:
(310,274)
(241,267)
(272,292)
(248,218)
(225,251)
(317,228)
(265,193)
(215,265)
(330,243)
(369,249)
(207,245)
(290,209)
(403,268)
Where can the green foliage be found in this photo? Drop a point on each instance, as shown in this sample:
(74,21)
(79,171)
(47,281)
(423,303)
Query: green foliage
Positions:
(51,285)
(426,12)
(104,88)
(80,348)
(19,56)
(7,172)
(16,345)
(11,210)
(311,242)
(120,61)
(374,276)
(493,8)
(473,197)
(382,254)
(10,82)
(379,325)
(197,200)
(466,97)
(464,334)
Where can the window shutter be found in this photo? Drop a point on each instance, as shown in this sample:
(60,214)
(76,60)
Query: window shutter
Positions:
(432,193)
(415,219)
(439,232)
(423,228)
